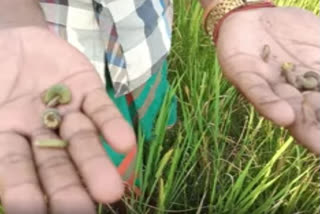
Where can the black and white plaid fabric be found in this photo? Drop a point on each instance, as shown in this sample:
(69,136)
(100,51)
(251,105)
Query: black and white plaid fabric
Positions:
(131,37)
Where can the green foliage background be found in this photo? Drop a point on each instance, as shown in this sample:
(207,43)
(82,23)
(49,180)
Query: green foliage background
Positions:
(222,157)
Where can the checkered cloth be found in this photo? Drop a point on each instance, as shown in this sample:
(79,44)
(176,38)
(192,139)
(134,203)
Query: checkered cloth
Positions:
(133,37)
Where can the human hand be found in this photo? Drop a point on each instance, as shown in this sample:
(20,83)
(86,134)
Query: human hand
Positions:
(32,60)
(292,35)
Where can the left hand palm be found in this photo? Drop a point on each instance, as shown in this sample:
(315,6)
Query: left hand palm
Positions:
(293,36)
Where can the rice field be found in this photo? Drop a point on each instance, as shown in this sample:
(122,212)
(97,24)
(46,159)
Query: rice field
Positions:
(221,157)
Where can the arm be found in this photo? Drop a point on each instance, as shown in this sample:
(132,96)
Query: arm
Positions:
(18,13)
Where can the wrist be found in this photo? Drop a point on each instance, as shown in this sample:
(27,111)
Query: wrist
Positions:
(217,10)
(206,3)
(21,13)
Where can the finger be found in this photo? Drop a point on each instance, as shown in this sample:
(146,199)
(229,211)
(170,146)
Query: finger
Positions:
(306,128)
(100,176)
(19,187)
(247,75)
(290,94)
(59,178)
(110,122)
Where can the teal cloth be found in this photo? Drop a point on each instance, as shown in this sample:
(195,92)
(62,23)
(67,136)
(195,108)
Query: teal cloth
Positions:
(147,122)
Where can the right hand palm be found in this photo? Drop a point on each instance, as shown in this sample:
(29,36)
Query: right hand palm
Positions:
(32,60)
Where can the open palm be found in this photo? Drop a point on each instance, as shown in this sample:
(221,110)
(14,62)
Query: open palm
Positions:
(293,36)
(32,60)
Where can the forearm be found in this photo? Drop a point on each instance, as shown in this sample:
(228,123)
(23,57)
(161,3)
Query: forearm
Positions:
(19,13)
